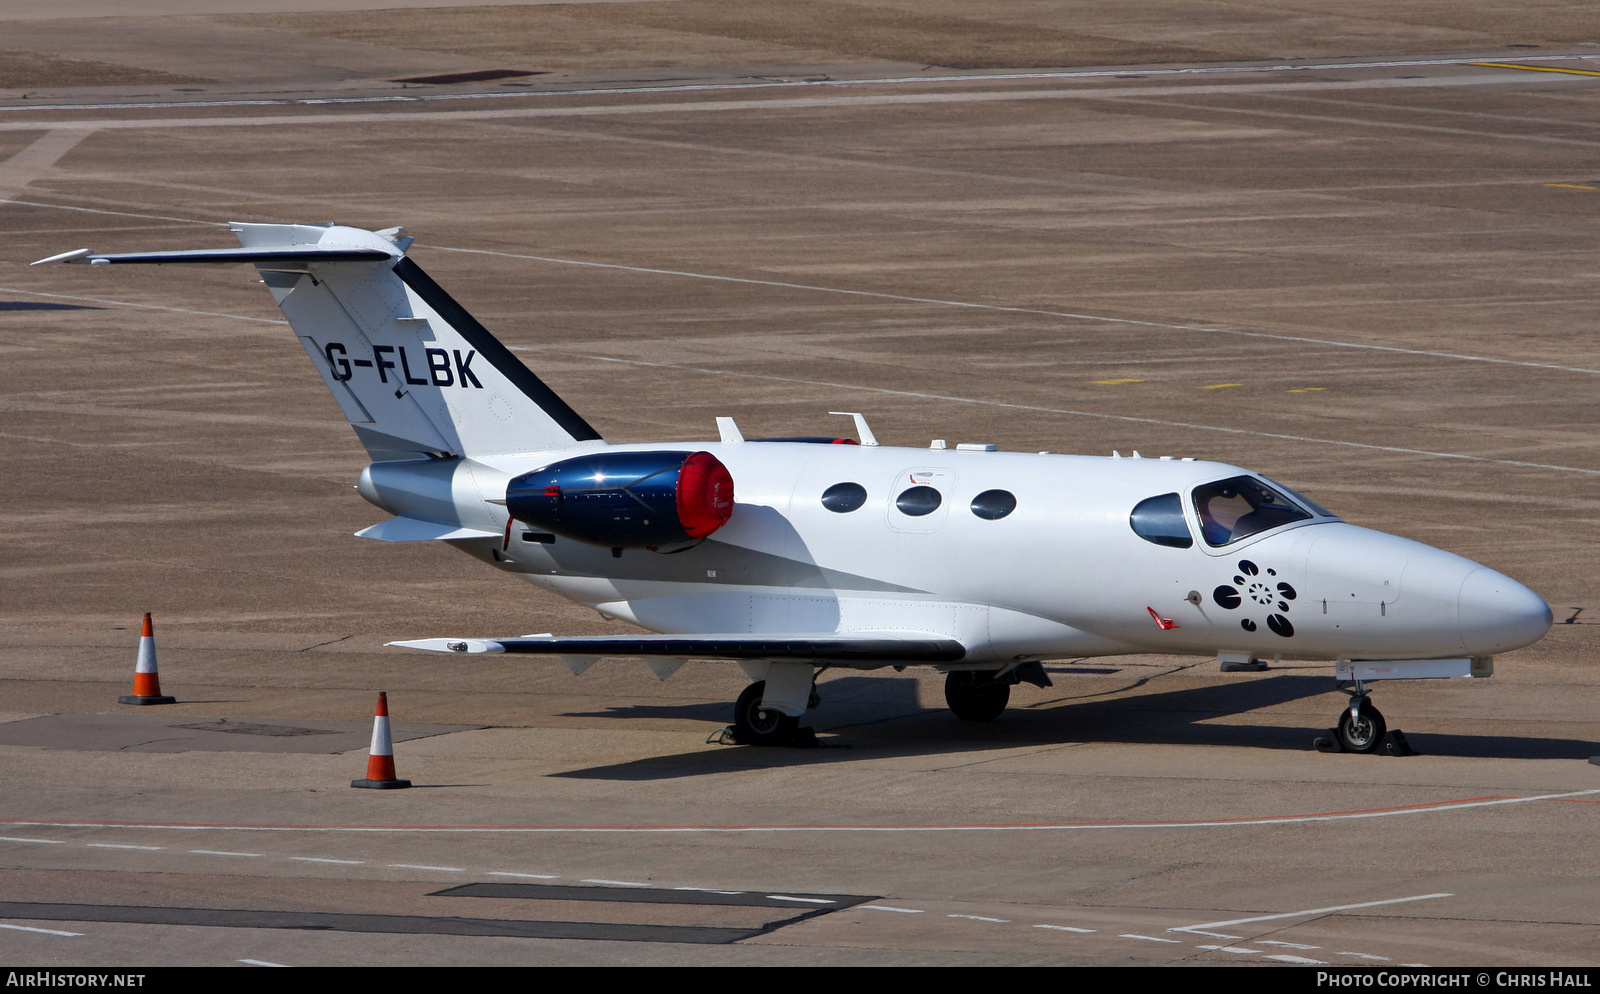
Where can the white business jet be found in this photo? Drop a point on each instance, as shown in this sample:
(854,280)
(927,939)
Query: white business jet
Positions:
(793,555)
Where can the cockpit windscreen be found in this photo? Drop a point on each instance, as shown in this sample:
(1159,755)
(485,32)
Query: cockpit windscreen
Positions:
(1237,508)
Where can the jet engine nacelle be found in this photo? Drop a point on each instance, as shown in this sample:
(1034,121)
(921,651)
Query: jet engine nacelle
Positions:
(626,500)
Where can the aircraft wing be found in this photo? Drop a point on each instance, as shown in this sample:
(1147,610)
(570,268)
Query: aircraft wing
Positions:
(810,648)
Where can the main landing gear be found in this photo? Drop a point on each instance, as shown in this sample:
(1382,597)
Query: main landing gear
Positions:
(757,725)
(982,695)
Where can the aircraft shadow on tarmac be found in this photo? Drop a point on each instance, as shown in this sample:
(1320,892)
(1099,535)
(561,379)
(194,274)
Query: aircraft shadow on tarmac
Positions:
(877,718)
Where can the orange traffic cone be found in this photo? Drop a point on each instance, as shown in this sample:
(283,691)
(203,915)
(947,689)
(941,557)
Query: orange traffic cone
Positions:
(380,758)
(146,681)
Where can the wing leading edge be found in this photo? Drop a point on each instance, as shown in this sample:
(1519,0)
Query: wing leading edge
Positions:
(911,648)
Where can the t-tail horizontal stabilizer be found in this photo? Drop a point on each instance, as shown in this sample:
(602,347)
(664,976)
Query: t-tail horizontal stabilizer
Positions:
(413,372)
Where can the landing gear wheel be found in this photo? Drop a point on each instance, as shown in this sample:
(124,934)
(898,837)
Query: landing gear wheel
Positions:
(756,725)
(1363,734)
(975,696)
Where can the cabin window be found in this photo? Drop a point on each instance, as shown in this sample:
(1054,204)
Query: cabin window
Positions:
(1160,520)
(992,505)
(918,501)
(1237,508)
(843,498)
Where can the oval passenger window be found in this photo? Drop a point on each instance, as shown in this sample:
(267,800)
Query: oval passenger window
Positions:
(918,501)
(842,498)
(992,505)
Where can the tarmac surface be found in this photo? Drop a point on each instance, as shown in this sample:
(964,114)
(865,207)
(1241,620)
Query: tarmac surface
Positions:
(1365,269)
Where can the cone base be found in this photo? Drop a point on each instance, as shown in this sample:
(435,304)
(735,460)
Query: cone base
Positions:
(137,699)
(381,784)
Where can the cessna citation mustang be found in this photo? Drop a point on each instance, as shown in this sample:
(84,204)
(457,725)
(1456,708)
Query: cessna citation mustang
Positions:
(793,555)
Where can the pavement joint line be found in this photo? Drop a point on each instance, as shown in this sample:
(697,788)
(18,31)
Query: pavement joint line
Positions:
(1312,912)
(1423,808)
(802,83)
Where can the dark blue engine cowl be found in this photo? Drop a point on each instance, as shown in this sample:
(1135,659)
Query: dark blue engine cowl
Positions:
(626,500)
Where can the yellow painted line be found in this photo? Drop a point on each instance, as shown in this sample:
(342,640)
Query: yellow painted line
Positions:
(1306,389)
(1573,186)
(1513,65)
(1112,383)
(1222,386)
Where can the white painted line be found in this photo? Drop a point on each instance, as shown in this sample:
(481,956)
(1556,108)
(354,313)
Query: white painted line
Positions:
(1213,935)
(223,852)
(977,77)
(114,845)
(1147,938)
(755,105)
(1286,958)
(529,876)
(1311,912)
(260,962)
(1286,945)
(1100,415)
(980,918)
(42,931)
(1396,812)
(713,890)
(807,900)
(1233,949)
(1382,959)
(142,307)
(1065,928)
(319,859)
(46,842)
(1015,309)
(418,866)
(615,883)
(885,907)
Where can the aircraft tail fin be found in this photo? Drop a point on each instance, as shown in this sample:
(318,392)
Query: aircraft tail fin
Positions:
(413,372)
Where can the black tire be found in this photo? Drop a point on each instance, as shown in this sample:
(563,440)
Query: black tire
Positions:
(1364,735)
(975,696)
(756,725)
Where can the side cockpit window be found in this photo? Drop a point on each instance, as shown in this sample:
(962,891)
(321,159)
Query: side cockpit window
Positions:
(1230,510)
(1160,520)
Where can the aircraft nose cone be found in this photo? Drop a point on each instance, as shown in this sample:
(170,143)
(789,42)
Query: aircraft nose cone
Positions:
(1499,614)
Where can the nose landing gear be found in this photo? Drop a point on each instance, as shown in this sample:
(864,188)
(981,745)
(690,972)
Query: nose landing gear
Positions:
(1361,726)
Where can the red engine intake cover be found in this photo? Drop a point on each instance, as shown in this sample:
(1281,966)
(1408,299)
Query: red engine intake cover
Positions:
(705,494)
